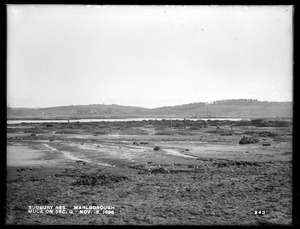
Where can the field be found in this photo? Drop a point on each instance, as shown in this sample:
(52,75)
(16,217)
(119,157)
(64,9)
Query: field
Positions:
(197,175)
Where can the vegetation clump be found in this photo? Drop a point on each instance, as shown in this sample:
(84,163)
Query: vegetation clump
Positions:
(248,140)
(99,179)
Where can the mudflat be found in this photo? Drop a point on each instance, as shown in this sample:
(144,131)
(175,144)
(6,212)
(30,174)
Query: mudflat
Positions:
(152,172)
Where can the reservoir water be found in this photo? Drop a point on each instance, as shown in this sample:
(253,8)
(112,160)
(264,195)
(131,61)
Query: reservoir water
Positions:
(115,120)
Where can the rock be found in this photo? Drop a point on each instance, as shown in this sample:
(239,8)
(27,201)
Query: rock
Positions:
(266,144)
(156,148)
(33,135)
(248,140)
(143,143)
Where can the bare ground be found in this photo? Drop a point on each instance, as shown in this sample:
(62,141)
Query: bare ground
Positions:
(200,176)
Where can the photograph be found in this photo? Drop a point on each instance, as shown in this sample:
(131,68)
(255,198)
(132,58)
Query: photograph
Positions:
(149,115)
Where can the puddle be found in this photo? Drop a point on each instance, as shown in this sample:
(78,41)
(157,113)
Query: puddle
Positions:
(72,157)
(41,141)
(116,151)
(176,153)
(21,127)
(128,151)
(19,155)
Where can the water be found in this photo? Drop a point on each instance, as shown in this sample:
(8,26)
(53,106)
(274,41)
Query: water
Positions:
(176,153)
(115,120)
(72,157)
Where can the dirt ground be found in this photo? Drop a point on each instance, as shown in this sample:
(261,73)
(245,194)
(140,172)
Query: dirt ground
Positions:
(198,176)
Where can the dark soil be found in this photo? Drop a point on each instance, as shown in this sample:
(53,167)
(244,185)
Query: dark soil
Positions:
(200,176)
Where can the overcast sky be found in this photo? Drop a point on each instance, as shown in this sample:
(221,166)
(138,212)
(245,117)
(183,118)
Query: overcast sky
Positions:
(148,56)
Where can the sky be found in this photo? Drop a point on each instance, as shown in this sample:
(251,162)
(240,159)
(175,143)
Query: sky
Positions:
(147,56)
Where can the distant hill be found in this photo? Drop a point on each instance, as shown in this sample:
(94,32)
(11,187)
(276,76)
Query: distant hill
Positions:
(224,108)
